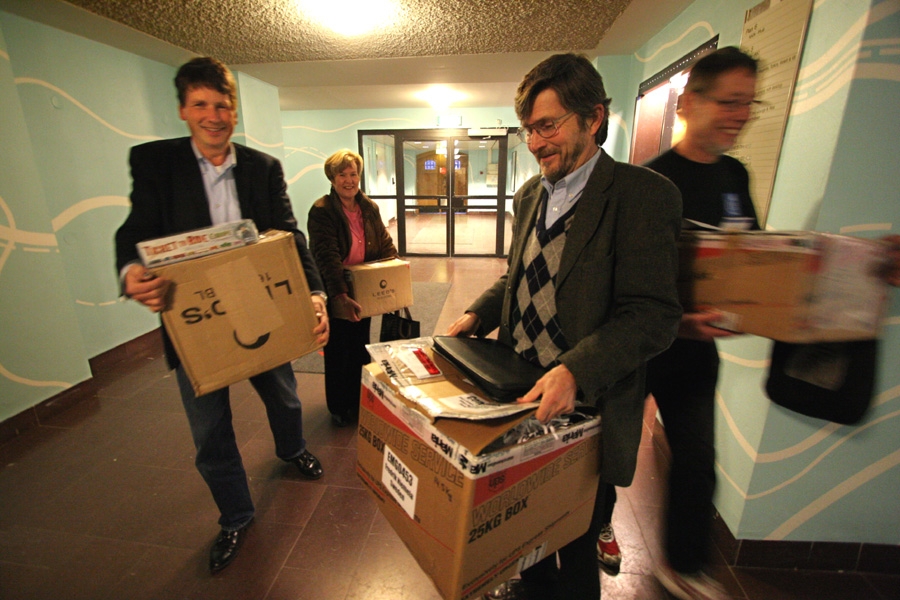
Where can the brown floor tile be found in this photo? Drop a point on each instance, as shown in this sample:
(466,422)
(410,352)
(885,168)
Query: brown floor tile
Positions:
(387,571)
(162,573)
(301,584)
(887,586)
(42,564)
(788,584)
(286,502)
(334,536)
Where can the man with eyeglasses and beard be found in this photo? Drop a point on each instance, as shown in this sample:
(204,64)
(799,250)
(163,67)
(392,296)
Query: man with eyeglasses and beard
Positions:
(589,293)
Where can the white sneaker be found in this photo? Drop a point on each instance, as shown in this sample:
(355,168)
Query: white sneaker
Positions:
(690,586)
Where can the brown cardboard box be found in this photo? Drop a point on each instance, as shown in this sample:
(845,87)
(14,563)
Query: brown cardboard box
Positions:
(239,313)
(472,518)
(790,286)
(380,287)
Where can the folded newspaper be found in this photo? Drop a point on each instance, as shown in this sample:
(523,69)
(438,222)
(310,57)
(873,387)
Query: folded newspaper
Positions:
(411,367)
(197,242)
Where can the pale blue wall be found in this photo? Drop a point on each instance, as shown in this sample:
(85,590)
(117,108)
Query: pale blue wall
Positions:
(782,475)
(72,108)
(37,313)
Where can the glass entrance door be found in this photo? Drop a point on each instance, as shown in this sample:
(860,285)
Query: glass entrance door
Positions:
(444,192)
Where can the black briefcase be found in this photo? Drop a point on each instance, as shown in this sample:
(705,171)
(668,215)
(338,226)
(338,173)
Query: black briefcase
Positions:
(494,367)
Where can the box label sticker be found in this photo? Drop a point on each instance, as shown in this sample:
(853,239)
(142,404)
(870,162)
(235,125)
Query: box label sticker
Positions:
(400,481)
(533,557)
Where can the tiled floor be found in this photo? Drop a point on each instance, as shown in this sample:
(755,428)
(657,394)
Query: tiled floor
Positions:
(102,502)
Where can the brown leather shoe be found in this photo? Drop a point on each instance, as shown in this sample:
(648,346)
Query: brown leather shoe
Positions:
(225,548)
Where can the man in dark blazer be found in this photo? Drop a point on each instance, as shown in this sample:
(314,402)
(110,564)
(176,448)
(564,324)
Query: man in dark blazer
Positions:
(589,293)
(194,182)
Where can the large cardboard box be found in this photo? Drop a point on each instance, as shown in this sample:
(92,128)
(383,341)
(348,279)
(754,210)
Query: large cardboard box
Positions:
(239,313)
(380,287)
(791,286)
(472,518)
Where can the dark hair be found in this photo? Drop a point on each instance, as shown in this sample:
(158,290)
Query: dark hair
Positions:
(206,72)
(576,82)
(705,71)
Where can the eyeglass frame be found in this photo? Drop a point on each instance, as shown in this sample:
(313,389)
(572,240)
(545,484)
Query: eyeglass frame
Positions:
(733,106)
(525,132)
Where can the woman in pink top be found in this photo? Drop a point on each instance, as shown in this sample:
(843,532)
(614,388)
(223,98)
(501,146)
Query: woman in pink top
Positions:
(345,228)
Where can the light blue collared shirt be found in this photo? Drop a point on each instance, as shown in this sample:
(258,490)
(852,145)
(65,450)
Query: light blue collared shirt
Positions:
(221,191)
(565,193)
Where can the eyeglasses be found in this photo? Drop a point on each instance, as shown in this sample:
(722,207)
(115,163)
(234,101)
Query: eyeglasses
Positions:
(733,106)
(546,128)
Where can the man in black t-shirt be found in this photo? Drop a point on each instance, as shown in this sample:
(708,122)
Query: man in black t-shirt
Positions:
(716,105)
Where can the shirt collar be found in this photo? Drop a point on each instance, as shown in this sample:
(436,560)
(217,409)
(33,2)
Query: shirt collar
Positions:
(230,159)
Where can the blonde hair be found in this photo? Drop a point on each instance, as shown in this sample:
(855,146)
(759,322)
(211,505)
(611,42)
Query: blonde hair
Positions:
(340,160)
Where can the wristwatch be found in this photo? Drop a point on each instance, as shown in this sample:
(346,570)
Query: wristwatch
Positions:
(322,295)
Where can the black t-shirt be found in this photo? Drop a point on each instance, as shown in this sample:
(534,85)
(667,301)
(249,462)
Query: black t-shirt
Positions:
(716,194)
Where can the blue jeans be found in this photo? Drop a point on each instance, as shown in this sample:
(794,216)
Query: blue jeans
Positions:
(218,458)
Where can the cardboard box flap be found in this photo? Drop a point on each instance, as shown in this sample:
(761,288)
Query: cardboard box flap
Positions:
(473,435)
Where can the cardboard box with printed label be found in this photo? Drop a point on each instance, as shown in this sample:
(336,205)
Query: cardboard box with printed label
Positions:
(472,517)
(238,313)
(380,287)
(796,287)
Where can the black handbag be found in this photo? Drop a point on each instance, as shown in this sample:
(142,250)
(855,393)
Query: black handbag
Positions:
(398,325)
(834,381)
(492,366)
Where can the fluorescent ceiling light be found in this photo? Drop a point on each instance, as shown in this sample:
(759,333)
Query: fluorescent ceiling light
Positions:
(351,17)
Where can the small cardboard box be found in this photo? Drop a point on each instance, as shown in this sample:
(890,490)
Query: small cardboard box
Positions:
(380,287)
(238,313)
(796,287)
(472,518)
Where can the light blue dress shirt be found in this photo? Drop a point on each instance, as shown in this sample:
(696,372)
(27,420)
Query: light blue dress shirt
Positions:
(563,195)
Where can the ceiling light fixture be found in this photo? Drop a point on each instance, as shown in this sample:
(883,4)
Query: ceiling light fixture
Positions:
(440,96)
(351,17)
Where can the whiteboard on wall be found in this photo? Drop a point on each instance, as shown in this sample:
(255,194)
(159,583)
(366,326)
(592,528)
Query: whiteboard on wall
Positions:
(773,33)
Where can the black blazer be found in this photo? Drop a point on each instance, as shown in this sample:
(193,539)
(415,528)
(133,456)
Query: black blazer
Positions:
(168,197)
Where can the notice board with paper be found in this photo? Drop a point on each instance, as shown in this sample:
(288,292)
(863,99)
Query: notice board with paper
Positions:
(773,33)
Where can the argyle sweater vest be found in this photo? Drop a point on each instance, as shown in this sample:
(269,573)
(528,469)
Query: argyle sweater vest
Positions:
(536,328)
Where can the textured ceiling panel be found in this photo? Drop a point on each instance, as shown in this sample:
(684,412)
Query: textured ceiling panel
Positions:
(274,31)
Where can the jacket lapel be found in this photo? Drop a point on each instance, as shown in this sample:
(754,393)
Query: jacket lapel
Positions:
(191,196)
(242,181)
(591,207)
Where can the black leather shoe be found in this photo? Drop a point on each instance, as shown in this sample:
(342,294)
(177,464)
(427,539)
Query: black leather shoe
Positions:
(309,465)
(344,419)
(513,589)
(226,547)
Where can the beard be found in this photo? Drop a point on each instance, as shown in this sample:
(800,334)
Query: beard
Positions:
(566,163)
